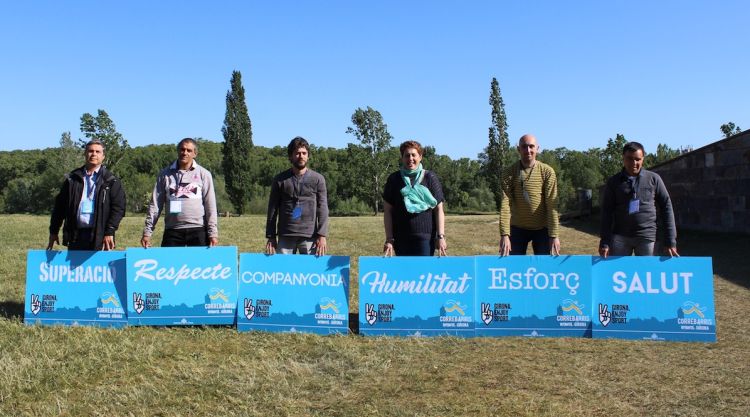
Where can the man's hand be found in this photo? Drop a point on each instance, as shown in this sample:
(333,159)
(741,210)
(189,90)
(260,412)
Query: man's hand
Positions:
(321,246)
(604,251)
(673,252)
(52,240)
(213,241)
(504,245)
(554,246)
(271,246)
(108,243)
(146,241)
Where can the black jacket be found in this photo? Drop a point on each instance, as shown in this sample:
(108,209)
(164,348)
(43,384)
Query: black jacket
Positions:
(109,210)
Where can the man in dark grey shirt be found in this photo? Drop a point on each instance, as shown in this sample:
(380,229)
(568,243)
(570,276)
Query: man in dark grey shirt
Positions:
(629,209)
(299,201)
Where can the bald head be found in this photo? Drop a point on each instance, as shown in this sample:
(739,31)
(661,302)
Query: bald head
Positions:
(527,149)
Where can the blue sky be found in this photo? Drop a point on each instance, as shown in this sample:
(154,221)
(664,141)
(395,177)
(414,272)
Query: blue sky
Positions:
(573,73)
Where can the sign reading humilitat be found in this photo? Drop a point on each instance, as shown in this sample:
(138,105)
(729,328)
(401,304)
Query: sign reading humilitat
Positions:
(294,293)
(534,296)
(416,296)
(75,288)
(182,286)
(654,298)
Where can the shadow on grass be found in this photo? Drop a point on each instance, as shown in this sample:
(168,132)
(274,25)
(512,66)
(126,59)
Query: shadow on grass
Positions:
(728,250)
(11,310)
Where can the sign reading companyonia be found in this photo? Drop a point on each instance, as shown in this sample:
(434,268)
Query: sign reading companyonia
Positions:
(654,298)
(534,296)
(293,293)
(182,286)
(416,296)
(75,288)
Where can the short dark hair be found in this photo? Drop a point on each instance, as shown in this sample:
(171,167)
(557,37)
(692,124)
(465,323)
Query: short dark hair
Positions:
(188,140)
(296,143)
(409,144)
(632,147)
(95,142)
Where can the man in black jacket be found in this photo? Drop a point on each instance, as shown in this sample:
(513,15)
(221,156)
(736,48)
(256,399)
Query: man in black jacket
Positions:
(91,202)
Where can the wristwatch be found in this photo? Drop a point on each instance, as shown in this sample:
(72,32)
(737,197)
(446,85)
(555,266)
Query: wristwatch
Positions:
(441,236)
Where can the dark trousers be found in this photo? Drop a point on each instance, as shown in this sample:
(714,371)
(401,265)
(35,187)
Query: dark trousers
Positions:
(414,246)
(84,240)
(194,236)
(520,238)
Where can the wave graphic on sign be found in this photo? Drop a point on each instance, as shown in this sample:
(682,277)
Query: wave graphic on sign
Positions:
(218,293)
(690,307)
(329,304)
(570,305)
(109,298)
(453,305)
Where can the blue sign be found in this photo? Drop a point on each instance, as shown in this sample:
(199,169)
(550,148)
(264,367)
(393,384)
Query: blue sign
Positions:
(75,288)
(294,293)
(534,296)
(416,296)
(182,286)
(654,298)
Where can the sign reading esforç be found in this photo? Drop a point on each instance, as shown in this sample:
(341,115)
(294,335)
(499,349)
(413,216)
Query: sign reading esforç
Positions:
(654,298)
(534,296)
(182,286)
(293,293)
(75,288)
(416,296)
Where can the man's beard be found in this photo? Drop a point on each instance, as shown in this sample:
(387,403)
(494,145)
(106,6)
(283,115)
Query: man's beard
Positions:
(299,164)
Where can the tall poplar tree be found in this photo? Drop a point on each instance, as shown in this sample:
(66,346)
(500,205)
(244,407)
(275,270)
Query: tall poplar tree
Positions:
(102,128)
(238,140)
(498,152)
(375,141)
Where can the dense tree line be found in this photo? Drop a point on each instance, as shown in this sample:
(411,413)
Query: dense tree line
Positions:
(33,177)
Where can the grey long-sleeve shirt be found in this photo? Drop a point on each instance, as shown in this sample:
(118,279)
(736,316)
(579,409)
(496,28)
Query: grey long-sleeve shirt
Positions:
(651,193)
(308,195)
(188,197)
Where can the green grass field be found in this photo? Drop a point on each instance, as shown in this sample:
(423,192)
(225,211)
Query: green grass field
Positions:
(217,371)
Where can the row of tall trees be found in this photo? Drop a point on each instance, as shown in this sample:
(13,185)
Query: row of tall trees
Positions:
(355,175)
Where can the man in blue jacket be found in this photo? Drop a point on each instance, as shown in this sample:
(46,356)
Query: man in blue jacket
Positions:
(629,209)
(91,203)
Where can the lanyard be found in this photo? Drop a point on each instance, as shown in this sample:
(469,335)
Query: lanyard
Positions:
(298,185)
(634,185)
(524,177)
(90,185)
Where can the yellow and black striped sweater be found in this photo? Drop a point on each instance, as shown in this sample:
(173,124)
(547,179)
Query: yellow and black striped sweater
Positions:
(536,212)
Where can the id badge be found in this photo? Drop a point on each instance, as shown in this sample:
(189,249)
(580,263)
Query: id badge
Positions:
(297,212)
(175,207)
(526,197)
(634,206)
(87,206)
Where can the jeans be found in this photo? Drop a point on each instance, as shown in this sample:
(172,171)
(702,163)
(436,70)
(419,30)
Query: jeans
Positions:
(289,245)
(414,246)
(520,238)
(626,246)
(194,236)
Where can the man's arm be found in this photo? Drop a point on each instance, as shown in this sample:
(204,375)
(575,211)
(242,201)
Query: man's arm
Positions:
(271,215)
(321,216)
(209,209)
(553,216)
(667,214)
(117,202)
(155,207)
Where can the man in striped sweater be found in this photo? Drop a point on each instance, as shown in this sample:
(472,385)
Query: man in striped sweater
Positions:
(528,204)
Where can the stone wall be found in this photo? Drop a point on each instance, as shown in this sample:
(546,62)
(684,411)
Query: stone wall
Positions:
(710,186)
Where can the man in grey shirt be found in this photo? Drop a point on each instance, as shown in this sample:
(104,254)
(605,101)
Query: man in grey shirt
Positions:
(186,190)
(299,201)
(629,209)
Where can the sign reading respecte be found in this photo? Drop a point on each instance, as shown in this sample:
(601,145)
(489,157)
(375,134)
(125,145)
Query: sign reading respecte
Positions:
(416,296)
(75,288)
(534,296)
(293,293)
(654,298)
(182,286)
